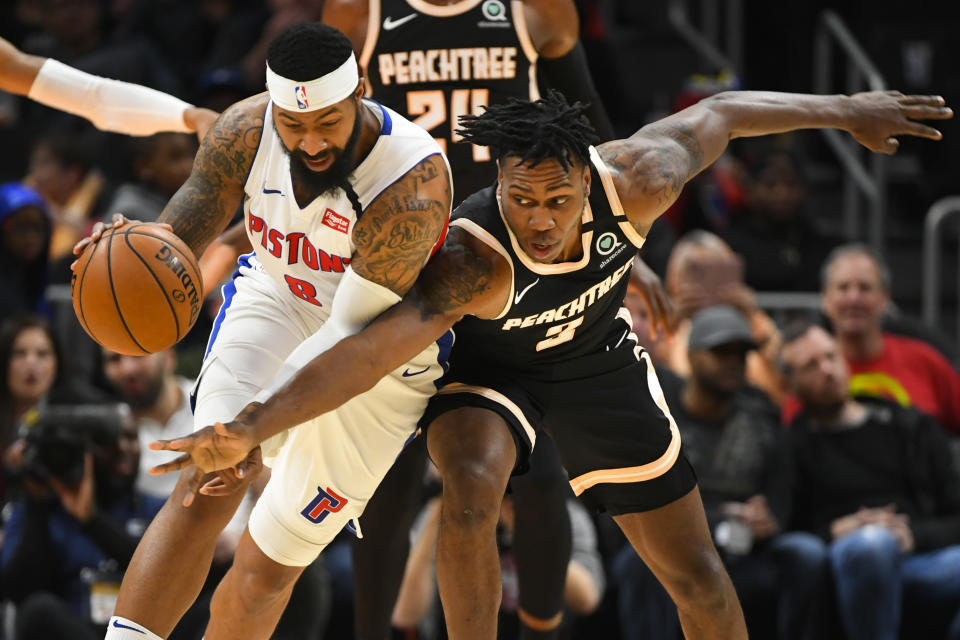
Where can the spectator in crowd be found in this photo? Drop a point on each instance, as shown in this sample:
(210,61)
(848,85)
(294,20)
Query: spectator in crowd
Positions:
(62,169)
(731,434)
(704,271)
(162,163)
(29,357)
(877,483)
(74,529)
(25,231)
(417,603)
(160,402)
(856,295)
(781,247)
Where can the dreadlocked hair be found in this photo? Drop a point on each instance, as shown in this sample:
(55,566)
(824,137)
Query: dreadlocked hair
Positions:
(306,51)
(533,131)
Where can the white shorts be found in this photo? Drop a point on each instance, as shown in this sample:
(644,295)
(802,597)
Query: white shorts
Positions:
(325,470)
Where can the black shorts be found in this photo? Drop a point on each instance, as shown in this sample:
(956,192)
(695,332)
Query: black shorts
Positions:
(606,413)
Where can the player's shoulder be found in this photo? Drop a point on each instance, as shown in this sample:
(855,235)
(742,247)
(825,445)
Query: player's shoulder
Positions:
(241,123)
(480,207)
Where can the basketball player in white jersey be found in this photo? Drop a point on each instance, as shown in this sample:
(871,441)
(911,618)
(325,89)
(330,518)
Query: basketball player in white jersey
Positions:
(344,201)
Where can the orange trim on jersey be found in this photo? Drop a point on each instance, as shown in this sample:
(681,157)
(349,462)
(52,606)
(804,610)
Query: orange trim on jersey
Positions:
(643,472)
(526,43)
(443,11)
(499,398)
(558,267)
(540,624)
(370,42)
(487,238)
(614,198)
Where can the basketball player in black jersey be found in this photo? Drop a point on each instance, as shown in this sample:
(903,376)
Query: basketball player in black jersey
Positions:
(434,60)
(532,278)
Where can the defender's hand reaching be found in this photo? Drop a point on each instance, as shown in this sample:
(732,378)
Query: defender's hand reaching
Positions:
(215,448)
(880,115)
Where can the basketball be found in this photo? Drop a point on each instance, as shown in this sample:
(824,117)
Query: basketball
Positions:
(138,289)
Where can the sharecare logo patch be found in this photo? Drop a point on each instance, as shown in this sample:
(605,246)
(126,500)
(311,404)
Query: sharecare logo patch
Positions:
(335,221)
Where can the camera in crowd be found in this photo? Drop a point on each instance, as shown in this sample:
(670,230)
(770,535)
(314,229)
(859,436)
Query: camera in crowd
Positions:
(58,439)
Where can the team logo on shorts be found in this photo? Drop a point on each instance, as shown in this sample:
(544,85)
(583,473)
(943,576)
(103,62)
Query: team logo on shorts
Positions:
(494,10)
(606,243)
(325,503)
(300,93)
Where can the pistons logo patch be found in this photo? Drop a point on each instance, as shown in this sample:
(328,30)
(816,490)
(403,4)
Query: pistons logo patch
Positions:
(335,221)
(300,93)
(325,503)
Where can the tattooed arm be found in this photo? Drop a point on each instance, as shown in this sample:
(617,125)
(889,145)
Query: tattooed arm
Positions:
(201,209)
(396,232)
(651,167)
(464,277)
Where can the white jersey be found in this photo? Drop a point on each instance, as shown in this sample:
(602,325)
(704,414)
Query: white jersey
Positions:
(305,251)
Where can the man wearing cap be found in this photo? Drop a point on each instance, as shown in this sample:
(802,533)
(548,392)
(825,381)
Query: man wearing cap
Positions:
(344,201)
(732,437)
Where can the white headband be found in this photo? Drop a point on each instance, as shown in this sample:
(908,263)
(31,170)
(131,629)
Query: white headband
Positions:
(315,94)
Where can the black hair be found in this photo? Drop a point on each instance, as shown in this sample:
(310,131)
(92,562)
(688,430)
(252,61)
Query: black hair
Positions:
(10,330)
(308,50)
(792,331)
(533,131)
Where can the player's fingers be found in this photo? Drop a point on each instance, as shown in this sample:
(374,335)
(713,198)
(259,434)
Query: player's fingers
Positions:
(193,487)
(928,112)
(923,131)
(118,220)
(177,444)
(920,99)
(168,467)
(168,227)
(79,247)
(213,483)
(221,429)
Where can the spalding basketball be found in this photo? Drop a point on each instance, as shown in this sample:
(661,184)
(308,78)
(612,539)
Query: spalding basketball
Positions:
(138,289)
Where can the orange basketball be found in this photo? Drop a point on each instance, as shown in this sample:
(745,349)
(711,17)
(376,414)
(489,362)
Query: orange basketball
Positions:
(138,289)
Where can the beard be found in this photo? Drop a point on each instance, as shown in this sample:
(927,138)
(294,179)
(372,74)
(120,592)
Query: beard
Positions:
(319,183)
(147,397)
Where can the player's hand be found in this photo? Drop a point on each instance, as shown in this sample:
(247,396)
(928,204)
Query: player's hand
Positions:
(199,120)
(879,116)
(215,448)
(660,315)
(117,221)
(225,481)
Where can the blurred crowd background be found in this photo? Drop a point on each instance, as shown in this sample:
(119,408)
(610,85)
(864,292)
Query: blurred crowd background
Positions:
(820,410)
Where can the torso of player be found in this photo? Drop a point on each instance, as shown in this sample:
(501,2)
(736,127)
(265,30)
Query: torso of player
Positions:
(560,311)
(434,63)
(306,250)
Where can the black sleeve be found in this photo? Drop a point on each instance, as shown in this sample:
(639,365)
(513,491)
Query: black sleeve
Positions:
(111,537)
(940,493)
(34,565)
(570,75)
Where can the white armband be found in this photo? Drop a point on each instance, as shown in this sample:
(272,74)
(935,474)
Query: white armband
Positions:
(111,105)
(356,303)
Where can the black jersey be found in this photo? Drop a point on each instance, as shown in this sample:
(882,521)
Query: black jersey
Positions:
(434,63)
(556,312)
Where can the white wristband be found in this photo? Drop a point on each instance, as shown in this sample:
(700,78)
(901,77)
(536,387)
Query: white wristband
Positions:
(111,105)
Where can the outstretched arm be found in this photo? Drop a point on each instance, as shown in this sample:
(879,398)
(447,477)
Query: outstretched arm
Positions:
(652,166)
(465,277)
(111,105)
